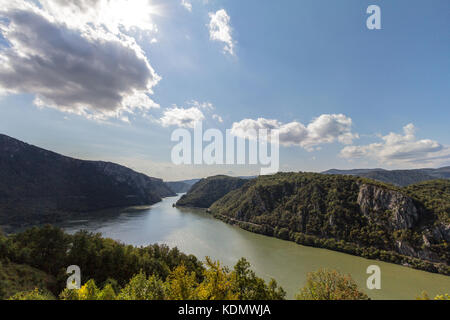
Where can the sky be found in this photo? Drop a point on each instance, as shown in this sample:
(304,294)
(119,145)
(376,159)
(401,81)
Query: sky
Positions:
(112,79)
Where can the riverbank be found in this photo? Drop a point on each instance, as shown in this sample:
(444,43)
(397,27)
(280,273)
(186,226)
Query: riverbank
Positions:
(339,246)
(200,234)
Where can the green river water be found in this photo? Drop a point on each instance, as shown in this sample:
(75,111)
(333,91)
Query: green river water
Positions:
(196,232)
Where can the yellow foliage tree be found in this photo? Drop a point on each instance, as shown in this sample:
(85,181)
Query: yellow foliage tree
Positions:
(425,296)
(330,285)
(218,283)
(142,288)
(181,285)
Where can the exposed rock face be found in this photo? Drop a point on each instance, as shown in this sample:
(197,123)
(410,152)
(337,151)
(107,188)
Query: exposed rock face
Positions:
(368,216)
(402,214)
(442,232)
(37,185)
(374,201)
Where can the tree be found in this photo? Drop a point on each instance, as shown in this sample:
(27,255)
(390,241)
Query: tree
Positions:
(89,291)
(142,288)
(330,285)
(181,285)
(107,293)
(217,283)
(249,287)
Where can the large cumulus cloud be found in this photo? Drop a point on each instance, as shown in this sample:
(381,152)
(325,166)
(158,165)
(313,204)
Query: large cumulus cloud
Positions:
(88,71)
(326,128)
(395,148)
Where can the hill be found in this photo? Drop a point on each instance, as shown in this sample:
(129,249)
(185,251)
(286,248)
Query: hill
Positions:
(206,191)
(178,186)
(182,186)
(349,214)
(38,186)
(397,177)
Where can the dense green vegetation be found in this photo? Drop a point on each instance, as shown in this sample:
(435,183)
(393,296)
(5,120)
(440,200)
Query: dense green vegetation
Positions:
(33,266)
(435,196)
(50,250)
(205,192)
(15,278)
(326,211)
(218,283)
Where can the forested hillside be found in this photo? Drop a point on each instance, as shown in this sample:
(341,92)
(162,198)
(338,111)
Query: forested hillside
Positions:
(349,214)
(206,191)
(39,186)
(435,195)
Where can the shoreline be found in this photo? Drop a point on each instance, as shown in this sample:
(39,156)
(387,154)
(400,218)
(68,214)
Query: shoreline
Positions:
(346,247)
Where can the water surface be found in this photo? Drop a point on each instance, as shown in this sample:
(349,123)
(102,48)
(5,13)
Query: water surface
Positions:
(196,232)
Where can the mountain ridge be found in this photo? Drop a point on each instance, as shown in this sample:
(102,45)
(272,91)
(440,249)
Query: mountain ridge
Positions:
(38,185)
(397,177)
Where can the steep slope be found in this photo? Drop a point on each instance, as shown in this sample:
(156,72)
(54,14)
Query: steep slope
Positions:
(37,185)
(206,191)
(397,177)
(435,195)
(16,278)
(344,213)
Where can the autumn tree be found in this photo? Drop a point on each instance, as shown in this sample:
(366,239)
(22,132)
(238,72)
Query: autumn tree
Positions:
(181,284)
(142,287)
(330,285)
(218,283)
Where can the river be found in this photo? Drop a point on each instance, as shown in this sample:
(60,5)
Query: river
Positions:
(195,232)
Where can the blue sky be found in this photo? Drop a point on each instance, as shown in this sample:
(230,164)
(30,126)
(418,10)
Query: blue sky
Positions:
(345,96)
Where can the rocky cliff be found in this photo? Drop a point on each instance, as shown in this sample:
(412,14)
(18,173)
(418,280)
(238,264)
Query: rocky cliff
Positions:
(375,201)
(344,213)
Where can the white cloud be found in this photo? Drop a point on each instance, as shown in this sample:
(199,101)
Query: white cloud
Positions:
(77,56)
(220,29)
(201,105)
(181,117)
(400,149)
(327,128)
(116,16)
(187,5)
(217,117)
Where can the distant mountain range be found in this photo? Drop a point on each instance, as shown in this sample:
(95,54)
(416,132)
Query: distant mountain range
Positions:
(397,177)
(39,186)
(182,186)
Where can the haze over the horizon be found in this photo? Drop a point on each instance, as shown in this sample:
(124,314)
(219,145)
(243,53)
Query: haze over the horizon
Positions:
(111,79)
